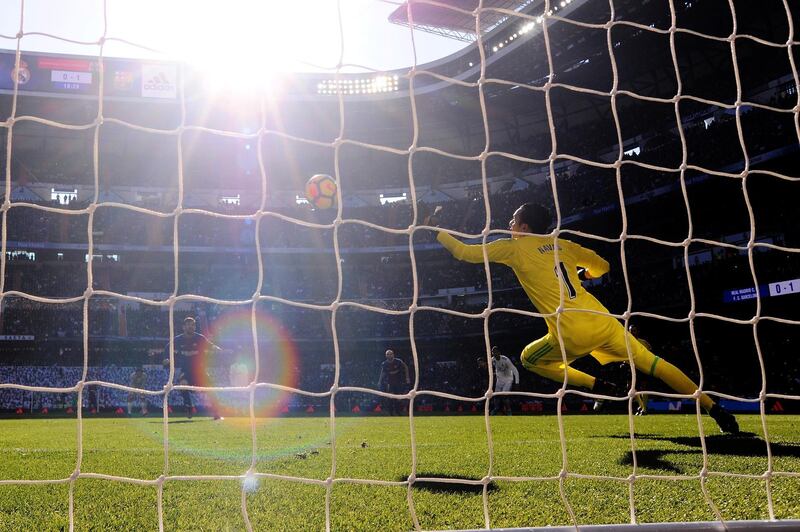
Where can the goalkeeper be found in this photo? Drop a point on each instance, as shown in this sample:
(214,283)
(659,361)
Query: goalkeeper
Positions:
(585,326)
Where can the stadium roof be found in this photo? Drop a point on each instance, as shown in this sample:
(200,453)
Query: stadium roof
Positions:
(456,21)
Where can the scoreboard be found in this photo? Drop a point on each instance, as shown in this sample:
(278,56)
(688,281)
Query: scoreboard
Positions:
(62,74)
(780,288)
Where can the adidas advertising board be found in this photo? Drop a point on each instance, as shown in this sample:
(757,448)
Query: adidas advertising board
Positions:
(159,81)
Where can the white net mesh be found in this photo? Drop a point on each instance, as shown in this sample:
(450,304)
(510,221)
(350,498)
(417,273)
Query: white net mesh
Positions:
(541,18)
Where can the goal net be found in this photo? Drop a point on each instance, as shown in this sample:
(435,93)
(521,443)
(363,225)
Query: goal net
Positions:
(663,135)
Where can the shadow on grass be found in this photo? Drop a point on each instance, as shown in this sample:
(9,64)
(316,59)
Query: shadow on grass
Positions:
(653,459)
(449,487)
(175,422)
(742,444)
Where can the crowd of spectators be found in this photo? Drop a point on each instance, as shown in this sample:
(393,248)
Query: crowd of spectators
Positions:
(455,366)
(218,259)
(97,397)
(582,189)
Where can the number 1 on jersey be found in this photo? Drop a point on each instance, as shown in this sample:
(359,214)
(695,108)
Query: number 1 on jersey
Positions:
(565,279)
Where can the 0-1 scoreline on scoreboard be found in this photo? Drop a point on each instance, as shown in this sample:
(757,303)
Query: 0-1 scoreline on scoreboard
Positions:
(780,288)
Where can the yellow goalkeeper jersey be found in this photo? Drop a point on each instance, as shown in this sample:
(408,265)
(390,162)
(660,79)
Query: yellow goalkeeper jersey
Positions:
(532,258)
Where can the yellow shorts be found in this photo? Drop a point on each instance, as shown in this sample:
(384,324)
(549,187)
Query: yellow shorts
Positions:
(606,344)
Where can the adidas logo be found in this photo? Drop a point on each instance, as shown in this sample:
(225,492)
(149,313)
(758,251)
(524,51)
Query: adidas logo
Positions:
(159,82)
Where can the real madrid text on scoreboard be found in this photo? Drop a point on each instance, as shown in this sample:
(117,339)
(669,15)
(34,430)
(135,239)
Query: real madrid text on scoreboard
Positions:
(62,74)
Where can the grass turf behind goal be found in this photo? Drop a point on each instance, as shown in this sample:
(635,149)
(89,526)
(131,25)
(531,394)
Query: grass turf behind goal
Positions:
(378,449)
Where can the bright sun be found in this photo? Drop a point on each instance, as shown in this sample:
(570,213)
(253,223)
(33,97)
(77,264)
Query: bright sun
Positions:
(244,44)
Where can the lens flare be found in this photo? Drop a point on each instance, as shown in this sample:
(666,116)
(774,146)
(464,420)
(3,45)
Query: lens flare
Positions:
(236,365)
(231,329)
(250,483)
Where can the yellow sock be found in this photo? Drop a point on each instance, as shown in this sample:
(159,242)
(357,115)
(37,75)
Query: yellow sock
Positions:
(641,400)
(674,378)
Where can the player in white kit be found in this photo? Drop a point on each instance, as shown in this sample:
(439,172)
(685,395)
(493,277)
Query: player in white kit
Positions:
(506,375)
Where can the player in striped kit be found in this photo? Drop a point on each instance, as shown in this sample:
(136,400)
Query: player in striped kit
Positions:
(193,352)
(506,375)
(394,378)
(577,322)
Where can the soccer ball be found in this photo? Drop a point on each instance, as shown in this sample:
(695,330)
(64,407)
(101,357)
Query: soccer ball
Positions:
(321,191)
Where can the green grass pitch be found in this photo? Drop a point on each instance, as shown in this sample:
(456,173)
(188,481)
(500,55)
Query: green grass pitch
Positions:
(380,448)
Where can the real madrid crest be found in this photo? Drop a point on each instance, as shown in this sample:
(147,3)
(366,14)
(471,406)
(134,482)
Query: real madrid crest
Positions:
(22,75)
